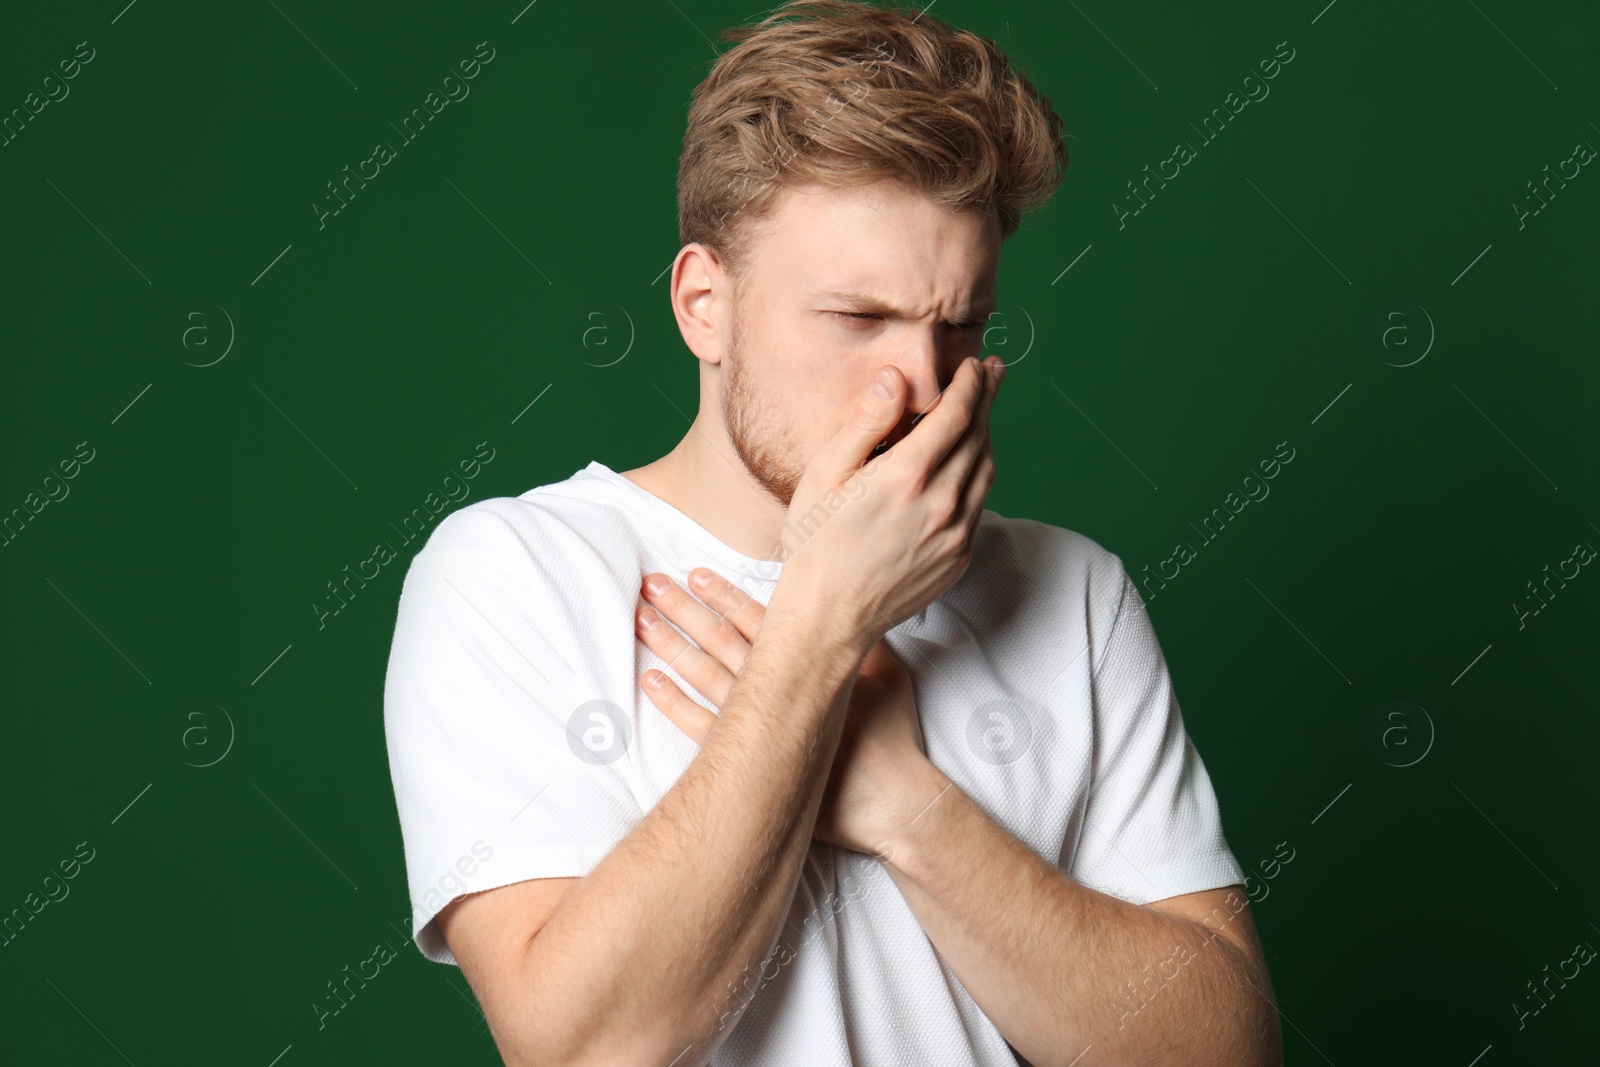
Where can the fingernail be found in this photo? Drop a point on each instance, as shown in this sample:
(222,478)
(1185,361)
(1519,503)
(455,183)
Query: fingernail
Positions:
(653,679)
(648,619)
(657,584)
(883,385)
(700,579)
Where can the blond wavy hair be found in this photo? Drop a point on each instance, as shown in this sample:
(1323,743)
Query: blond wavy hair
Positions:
(840,93)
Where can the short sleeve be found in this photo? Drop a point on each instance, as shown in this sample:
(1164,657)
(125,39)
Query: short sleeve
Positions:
(1152,828)
(478,705)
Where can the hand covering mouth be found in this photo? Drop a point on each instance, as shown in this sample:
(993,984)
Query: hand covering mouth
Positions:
(901,430)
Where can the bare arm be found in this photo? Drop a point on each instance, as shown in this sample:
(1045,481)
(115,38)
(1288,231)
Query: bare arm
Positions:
(623,976)
(1062,968)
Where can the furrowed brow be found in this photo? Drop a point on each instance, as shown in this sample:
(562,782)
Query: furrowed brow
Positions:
(872,303)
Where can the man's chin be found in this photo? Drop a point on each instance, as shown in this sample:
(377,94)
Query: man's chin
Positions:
(778,484)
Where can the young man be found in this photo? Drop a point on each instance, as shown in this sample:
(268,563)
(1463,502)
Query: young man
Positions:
(904,781)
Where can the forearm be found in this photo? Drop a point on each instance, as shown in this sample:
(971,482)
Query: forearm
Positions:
(1061,968)
(648,954)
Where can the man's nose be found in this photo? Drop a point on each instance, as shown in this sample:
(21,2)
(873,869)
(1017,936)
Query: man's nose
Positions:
(927,370)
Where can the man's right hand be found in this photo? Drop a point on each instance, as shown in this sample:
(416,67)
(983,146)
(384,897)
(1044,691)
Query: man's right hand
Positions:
(903,533)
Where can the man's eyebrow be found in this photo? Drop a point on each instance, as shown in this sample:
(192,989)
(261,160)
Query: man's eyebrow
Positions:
(874,303)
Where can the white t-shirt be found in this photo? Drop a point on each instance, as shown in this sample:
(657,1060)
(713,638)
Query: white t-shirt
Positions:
(522,745)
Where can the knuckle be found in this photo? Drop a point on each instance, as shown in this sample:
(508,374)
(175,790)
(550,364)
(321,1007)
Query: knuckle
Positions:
(671,647)
(942,504)
(748,612)
(960,418)
(868,415)
(707,674)
(722,632)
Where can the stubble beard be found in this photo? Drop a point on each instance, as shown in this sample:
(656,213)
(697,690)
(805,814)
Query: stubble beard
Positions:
(754,430)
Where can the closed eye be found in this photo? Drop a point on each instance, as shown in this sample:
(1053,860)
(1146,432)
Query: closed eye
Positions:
(868,316)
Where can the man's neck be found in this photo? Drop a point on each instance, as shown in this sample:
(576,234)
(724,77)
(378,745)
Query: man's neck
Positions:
(703,478)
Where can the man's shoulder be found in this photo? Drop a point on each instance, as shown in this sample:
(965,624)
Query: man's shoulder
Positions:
(1039,582)
(1065,559)
(552,527)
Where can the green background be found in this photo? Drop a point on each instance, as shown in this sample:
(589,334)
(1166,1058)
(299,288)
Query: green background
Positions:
(159,616)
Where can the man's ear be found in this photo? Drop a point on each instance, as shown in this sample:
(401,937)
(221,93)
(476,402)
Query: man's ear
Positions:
(701,297)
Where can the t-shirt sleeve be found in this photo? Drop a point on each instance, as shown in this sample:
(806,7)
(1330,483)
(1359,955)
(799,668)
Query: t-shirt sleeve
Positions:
(478,706)
(1151,828)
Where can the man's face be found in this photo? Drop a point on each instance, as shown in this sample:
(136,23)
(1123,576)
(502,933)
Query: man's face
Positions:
(838,283)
